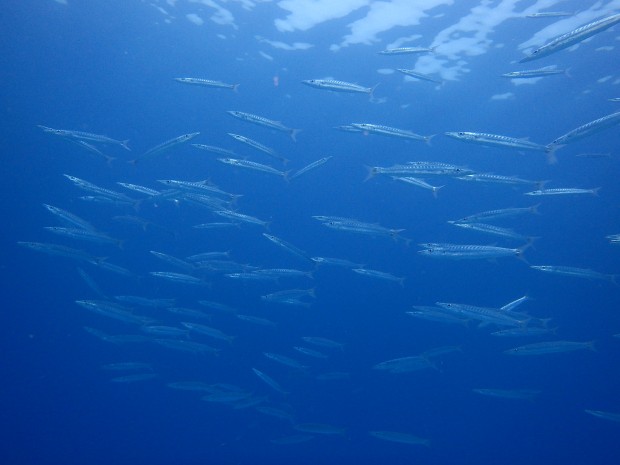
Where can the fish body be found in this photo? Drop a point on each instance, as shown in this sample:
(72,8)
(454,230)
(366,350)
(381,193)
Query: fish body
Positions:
(570,38)
(206,83)
(390,131)
(586,130)
(406,50)
(533,73)
(421,76)
(496,140)
(265,122)
(551,347)
(563,191)
(167,145)
(339,86)
(252,165)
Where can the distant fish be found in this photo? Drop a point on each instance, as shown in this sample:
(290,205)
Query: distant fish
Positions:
(407,50)
(403,438)
(421,76)
(262,121)
(508,393)
(563,191)
(340,86)
(550,14)
(604,415)
(576,272)
(497,141)
(85,136)
(206,83)
(534,73)
(551,347)
(167,145)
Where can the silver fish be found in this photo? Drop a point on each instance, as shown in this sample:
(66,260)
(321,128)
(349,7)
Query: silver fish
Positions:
(165,146)
(391,132)
(262,121)
(497,140)
(575,36)
(206,83)
(339,86)
(421,76)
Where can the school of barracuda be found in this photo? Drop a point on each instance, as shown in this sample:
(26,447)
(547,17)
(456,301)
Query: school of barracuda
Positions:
(200,328)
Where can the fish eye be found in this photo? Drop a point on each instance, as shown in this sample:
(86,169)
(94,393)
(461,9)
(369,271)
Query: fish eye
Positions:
(461,133)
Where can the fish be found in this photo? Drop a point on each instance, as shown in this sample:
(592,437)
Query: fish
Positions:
(418,182)
(69,218)
(134,378)
(186,346)
(550,347)
(391,132)
(563,191)
(379,275)
(178,277)
(166,146)
(470,251)
(323,342)
(85,235)
(101,191)
(419,167)
(572,37)
(241,217)
(405,364)
(269,381)
(254,166)
(310,352)
(420,76)
(494,214)
(585,129)
(534,73)
(483,314)
(497,178)
(208,331)
(320,428)
(285,360)
(214,149)
(60,250)
(340,86)
(336,262)
(492,229)
(496,140)
(576,272)
(550,14)
(403,438)
(604,415)
(407,50)
(85,136)
(206,83)
(114,311)
(262,121)
(311,166)
(288,246)
(256,145)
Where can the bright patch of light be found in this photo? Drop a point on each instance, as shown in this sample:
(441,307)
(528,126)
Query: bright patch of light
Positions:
(305,14)
(194,18)
(506,96)
(385,71)
(265,56)
(285,46)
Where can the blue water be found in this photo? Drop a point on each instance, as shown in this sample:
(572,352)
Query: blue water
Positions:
(108,68)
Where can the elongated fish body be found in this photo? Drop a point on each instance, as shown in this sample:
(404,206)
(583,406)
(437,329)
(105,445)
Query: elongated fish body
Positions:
(288,246)
(550,14)
(69,218)
(196,186)
(419,167)
(214,149)
(421,76)
(90,187)
(496,140)
(83,234)
(169,144)
(484,314)
(574,271)
(573,37)
(339,86)
(586,130)
(269,381)
(405,364)
(253,166)
(533,73)
(403,438)
(391,132)
(265,122)
(492,229)
(206,83)
(86,136)
(379,275)
(208,331)
(406,50)
(551,347)
(241,217)
(285,360)
(494,214)
(177,277)
(508,393)
(60,250)
(604,415)
(418,182)
(467,251)
(497,178)
(311,166)
(563,191)
(258,146)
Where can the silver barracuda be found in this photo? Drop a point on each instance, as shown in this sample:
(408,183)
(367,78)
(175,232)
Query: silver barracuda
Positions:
(85,136)
(167,145)
(570,38)
(407,50)
(258,146)
(311,166)
(391,132)
(494,214)
(262,121)
(550,347)
(69,218)
(241,217)
(563,191)
(534,73)
(84,234)
(576,272)
(379,275)
(339,86)
(420,76)
(470,251)
(252,165)
(499,179)
(206,83)
(586,130)
(550,14)
(418,182)
(491,229)
(496,140)
(214,149)
(288,246)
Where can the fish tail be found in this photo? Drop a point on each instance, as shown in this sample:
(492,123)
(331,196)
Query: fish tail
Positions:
(124,144)
(235,88)
(435,190)
(427,139)
(294,133)
(371,93)
(371,173)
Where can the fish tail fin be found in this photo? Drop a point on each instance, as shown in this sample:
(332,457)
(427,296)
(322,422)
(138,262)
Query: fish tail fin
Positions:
(401,281)
(427,140)
(550,150)
(567,73)
(433,48)
(540,185)
(294,133)
(235,88)
(435,190)
(109,160)
(124,144)
(595,191)
(286,176)
(371,93)
(590,345)
(534,209)
(133,162)
(372,172)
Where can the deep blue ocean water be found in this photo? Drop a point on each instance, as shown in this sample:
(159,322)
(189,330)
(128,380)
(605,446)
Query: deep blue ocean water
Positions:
(108,68)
